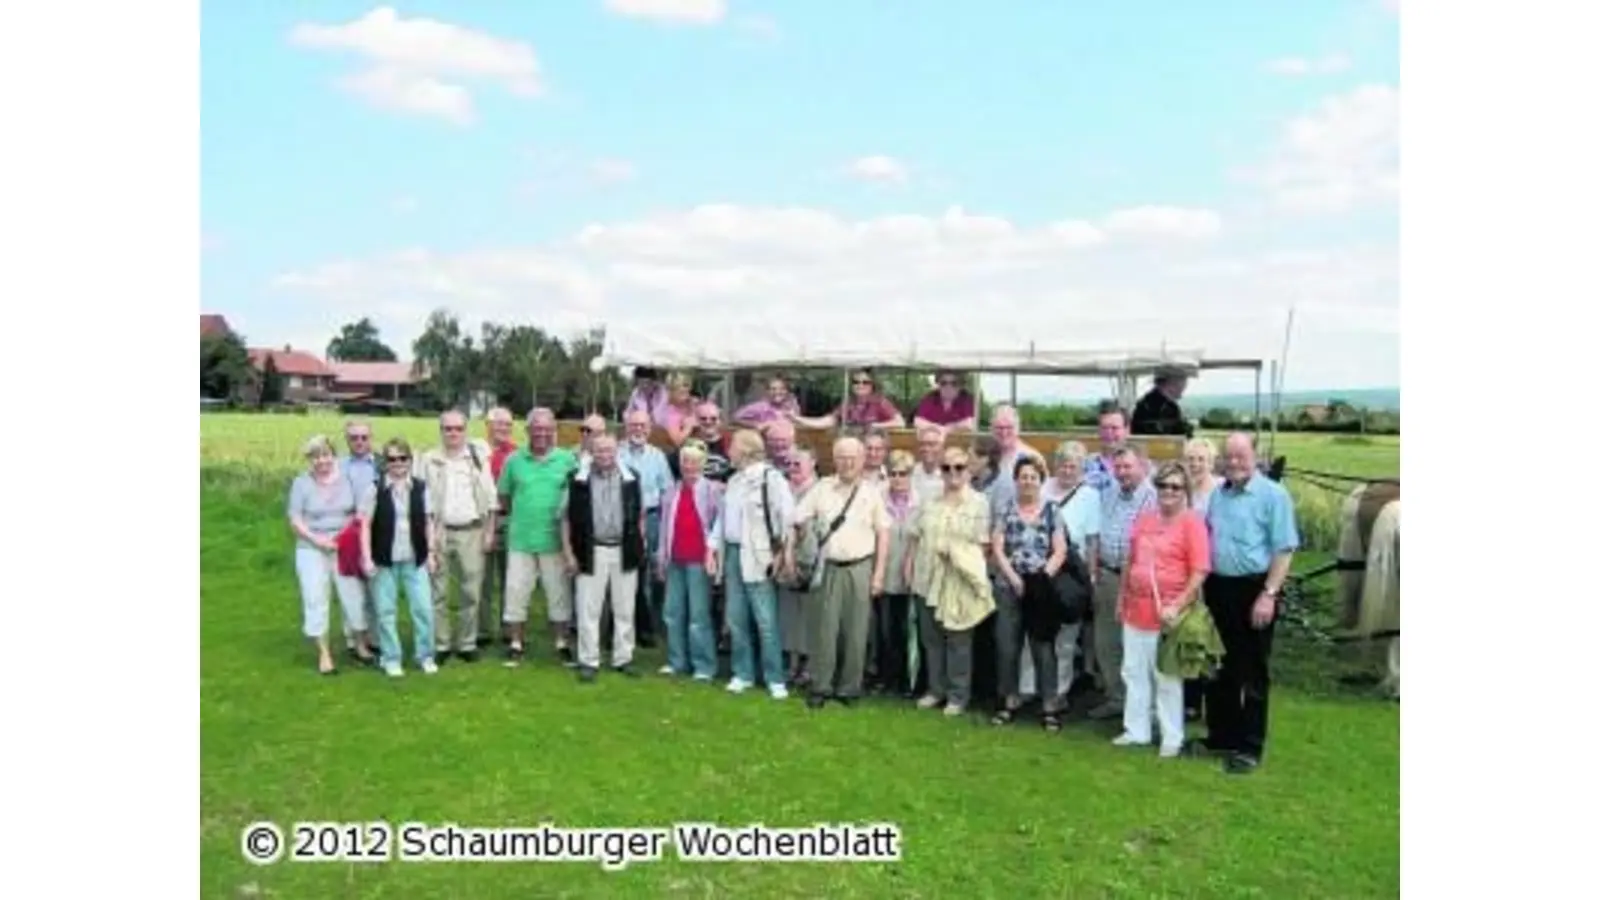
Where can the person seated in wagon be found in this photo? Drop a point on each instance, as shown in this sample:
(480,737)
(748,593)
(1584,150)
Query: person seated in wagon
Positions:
(867,407)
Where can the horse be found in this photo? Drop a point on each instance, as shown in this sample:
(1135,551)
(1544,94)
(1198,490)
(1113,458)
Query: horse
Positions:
(1369,572)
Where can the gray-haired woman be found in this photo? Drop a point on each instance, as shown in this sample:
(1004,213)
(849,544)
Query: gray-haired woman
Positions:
(322,503)
(802,471)
(747,539)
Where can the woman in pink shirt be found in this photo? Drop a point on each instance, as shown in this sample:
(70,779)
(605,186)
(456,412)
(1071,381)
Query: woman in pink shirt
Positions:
(1169,558)
(866,407)
(676,416)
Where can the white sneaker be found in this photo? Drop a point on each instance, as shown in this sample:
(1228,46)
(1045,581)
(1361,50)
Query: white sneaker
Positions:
(429,667)
(951,709)
(702,678)
(393,670)
(1127,740)
(737,686)
(1171,751)
(664,670)
(779,692)
(928,702)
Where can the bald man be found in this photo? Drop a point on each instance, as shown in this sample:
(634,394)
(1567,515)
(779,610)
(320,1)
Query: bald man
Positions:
(1253,541)
(778,435)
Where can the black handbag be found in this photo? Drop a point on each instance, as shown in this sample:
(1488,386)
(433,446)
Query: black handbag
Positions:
(1073,589)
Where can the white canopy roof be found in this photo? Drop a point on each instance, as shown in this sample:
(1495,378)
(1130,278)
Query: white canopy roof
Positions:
(754,342)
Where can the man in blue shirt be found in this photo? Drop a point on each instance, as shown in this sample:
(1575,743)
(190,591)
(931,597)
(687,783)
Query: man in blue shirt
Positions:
(1253,539)
(361,469)
(655,477)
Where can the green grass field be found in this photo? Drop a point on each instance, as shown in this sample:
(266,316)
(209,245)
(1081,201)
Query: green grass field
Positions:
(982,812)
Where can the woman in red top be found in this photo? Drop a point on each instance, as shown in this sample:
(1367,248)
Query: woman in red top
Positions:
(687,511)
(867,407)
(1169,558)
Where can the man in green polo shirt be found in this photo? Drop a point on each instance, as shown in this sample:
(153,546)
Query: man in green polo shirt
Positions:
(531,488)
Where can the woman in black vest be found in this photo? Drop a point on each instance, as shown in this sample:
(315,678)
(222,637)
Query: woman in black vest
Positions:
(397,548)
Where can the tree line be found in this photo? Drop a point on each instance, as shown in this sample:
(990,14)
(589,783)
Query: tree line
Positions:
(523,366)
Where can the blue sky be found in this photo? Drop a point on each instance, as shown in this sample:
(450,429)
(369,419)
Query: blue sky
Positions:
(361,160)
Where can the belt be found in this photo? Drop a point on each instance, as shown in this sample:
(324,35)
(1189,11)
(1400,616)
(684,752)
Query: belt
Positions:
(1115,570)
(615,543)
(465,526)
(846,565)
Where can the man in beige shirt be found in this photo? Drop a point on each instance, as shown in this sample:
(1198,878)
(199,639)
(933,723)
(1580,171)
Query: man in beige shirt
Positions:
(464,509)
(855,552)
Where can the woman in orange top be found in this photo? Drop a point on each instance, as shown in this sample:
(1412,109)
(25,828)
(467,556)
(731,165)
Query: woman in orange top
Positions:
(1170,556)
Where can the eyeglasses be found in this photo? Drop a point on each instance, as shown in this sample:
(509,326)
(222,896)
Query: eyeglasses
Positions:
(708,421)
(586,430)
(358,437)
(948,469)
(1169,486)
(947,384)
(899,473)
(450,428)
(397,459)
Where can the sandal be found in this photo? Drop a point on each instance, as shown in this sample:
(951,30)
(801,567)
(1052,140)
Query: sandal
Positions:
(1003,717)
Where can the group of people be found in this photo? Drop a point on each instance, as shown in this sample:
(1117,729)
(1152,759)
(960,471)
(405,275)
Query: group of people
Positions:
(913,575)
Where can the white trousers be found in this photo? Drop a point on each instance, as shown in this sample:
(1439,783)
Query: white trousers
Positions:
(1141,678)
(318,573)
(1066,654)
(608,573)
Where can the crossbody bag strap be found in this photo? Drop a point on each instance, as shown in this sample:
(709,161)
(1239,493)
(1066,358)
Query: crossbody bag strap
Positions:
(838,521)
(766,512)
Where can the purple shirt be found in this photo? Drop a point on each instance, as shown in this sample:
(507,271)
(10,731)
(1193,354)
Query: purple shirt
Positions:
(762,411)
(649,402)
(876,410)
(932,408)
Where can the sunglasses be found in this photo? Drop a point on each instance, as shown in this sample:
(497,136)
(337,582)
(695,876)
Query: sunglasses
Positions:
(397,459)
(948,469)
(1169,486)
(899,473)
(866,381)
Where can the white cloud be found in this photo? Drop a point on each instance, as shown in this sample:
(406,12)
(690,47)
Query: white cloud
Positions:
(879,170)
(1343,155)
(612,171)
(690,12)
(412,64)
(1135,276)
(1296,66)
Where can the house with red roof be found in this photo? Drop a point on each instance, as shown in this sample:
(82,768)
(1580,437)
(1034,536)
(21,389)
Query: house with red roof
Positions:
(212,325)
(305,377)
(390,382)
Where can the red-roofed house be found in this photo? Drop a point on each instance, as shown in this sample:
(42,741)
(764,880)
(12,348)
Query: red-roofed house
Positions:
(388,381)
(305,376)
(212,325)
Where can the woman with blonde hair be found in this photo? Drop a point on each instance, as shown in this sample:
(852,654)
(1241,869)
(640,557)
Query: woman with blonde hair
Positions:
(676,415)
(747,541)
(322,503)
(1169,558)
(688,511)
(399,551)
(1200,464)
(892,628)
(949,579)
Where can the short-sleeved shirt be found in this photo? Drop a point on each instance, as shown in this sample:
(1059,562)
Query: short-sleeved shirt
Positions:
(939,521)
(1250,525)
(401,551)
(875,410)
(535,488)
(932,409)
(1170,554)
(324,508)
(762,411)
(1079,509)
(857,537)
(1118,511)
(1027,544)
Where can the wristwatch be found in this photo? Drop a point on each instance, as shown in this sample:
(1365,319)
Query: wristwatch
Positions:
(1270,592)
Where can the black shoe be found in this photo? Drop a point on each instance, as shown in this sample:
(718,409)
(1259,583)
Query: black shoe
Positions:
(567,659)
(585,674)
(627,670)
(647,643)
(1241,764)
(484,642)
(440,657)
(468,656)
(816,701)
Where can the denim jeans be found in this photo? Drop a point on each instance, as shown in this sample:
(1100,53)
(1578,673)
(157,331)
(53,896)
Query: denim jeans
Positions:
(691,639)
(419,595)
(752,614)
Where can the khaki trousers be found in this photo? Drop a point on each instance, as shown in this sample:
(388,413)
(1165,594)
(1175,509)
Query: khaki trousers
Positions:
(839,618)
(1107,641)
(460,562)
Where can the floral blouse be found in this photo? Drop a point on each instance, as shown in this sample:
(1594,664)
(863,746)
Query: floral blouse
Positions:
(1027,544)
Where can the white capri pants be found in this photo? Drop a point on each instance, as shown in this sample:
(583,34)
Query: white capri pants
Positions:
(318,570)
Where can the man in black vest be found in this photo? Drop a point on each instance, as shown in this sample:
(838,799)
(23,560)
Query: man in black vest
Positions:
(1158,412)
(602,537)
